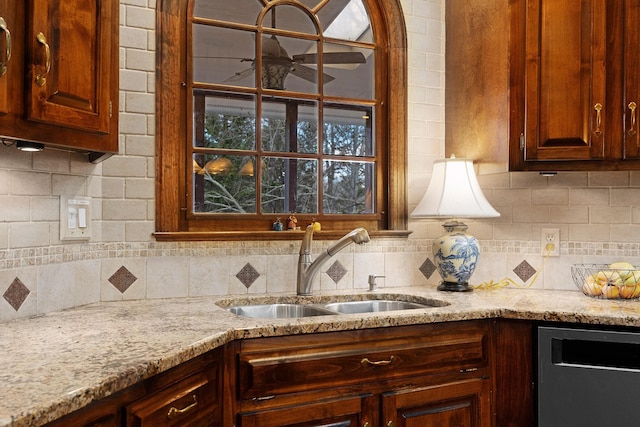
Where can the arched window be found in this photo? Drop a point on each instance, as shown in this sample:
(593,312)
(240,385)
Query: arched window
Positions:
(268,109)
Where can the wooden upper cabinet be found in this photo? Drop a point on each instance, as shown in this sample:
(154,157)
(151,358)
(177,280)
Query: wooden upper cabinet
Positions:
(558,91)
(565,80)
(7,21)
(575,85)
(631,100)
(70,44)
(61,85)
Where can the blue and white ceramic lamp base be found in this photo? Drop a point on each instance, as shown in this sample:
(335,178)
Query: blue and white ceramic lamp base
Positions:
(455,256)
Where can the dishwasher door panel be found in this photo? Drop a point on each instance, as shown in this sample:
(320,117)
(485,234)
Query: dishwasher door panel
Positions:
(588,378)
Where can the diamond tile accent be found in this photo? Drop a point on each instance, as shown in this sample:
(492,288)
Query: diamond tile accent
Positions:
(16,294)
(427,268)
(336,271)
(524,271)
(122,279)
(247,275)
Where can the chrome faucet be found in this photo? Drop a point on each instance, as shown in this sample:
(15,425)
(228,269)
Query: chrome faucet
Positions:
(308,269)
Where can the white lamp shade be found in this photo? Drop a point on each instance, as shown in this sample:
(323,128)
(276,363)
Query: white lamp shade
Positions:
(454,192)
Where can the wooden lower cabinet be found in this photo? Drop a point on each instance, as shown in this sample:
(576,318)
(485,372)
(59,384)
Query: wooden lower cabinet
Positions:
(460,404)
(188,395)
(475,373)
(355,411)
(428,375)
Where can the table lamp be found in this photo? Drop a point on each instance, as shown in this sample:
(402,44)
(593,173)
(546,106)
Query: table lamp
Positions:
(454,192)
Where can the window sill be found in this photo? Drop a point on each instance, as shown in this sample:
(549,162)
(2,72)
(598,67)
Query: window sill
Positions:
(192,236)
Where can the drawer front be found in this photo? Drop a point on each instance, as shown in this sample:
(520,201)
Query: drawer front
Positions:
(194,401)
(279,365)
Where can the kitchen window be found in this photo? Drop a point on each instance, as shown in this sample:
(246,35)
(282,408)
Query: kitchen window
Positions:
(268,109)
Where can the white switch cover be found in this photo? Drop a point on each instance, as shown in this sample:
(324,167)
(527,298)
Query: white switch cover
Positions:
(75,218)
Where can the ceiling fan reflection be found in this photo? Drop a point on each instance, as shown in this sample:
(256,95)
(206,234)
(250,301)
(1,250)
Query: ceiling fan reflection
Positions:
(277,64)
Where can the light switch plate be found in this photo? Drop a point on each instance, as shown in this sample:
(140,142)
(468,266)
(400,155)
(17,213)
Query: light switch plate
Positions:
(75,218)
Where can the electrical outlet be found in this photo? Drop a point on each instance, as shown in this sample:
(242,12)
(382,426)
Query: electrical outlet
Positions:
(550,241)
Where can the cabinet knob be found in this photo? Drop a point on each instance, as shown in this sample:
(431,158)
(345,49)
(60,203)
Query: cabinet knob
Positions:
(41,79)
(7,40)
(632,118)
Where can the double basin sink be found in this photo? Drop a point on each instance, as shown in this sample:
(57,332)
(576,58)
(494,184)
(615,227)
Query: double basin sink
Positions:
(287,308)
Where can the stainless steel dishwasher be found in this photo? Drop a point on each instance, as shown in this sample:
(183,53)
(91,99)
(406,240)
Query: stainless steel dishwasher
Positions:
(588,378)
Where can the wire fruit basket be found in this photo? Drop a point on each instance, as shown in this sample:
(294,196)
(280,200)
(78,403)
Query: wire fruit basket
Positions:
(619,280)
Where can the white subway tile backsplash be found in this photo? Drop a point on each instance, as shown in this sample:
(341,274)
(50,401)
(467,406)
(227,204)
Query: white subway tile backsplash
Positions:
(140,17)
(26,183)
(569,215)
(589,196)
(124,210)
(125,166)
(142,60)
(610,215)
(609,179)
(625,196)
(550,196)
(29,234)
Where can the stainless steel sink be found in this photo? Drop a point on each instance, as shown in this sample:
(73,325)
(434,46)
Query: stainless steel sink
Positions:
(373,306)
(280,311)
(287,308)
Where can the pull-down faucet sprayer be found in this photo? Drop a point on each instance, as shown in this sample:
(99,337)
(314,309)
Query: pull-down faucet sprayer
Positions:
(307,269)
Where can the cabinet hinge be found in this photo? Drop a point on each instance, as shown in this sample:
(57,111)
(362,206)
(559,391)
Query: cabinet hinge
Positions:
(110,109)
(522,141)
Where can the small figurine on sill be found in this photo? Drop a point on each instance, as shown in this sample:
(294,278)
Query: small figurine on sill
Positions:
(292,222)
(277,226)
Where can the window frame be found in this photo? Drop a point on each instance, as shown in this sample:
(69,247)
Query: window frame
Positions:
(172,96)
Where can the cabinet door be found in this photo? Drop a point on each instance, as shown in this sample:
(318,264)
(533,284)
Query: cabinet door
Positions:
(347,412)
(194,401)
(631,100)
(7,25)
(565,80)
(463,404)
(70,63)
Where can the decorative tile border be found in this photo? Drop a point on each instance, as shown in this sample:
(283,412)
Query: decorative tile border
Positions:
(17,258)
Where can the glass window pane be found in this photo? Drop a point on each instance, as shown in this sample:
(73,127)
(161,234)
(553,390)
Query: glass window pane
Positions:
(289,125)
(346,20)
(348,131)
(222,184)
(291,18)
(241,11)
(280,71)
(289,185)
(223,56)
(348,187)
(224,122)
(352,70)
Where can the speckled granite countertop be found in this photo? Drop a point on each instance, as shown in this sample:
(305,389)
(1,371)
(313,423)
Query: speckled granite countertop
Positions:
(57,363)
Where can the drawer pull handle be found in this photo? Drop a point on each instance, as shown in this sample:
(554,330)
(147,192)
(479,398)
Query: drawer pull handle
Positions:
(41,79)
(598,108)
(367,362)
(174,412)
(7,39)
(632,107)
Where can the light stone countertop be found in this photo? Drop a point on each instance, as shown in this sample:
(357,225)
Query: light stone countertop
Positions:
(54,364)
